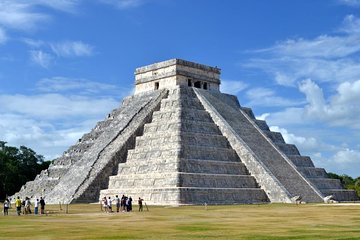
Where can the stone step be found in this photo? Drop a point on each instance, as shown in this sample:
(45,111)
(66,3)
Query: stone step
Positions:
(212,167)
(301,161)
(136,155)
(262,125)
(55,172)
(175,179)
(181,92)
(341,194)
(288,149)
(188,138)
(142,167)
(217,180)
(249,112)
(275,137)
(208,153)
(184,126)
(184,114)
(312,172)
(326,183)
(193,103)
(176,196)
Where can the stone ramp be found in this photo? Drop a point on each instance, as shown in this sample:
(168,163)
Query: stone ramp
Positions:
(272,169)
(182,158)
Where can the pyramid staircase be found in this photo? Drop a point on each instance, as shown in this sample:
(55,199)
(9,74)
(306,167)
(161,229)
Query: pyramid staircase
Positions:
(182,157)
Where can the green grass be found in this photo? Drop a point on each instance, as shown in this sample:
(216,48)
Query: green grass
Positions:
(271,221)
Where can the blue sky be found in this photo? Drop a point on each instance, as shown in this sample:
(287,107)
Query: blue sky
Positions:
(64,64)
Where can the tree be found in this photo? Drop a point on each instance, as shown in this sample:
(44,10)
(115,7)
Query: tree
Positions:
(17,166)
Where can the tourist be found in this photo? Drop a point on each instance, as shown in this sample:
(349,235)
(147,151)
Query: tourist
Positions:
(105,205)
(129,204)
(123,203)
(110,204)
(42,205)
(36,206)
(6,207)
(117,201)
(18,204)
(23,206)
(140,202)
(27,206)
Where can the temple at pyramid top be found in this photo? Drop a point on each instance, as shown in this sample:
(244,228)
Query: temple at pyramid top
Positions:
(176,72)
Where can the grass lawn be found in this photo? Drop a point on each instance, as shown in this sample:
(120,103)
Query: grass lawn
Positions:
(269,221)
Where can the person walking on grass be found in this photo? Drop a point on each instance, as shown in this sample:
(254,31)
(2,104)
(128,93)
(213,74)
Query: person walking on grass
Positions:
(110,204)
(42,205)
(6,207)
(105,205)
(140,202)
(18,205)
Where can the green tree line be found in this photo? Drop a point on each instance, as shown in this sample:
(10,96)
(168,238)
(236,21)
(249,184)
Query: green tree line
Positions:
(17,166)
(347,181)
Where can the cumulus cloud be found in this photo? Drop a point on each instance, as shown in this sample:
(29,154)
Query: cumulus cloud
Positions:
(41,58)
(326,58)
(47,138)
(232,87)
(267,97)
(341,109)
(72,49)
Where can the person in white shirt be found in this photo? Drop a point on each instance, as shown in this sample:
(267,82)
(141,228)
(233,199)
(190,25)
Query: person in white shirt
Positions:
(109,204)
(36,206)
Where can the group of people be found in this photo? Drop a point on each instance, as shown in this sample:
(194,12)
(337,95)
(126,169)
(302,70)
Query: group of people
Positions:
(24,206)
(124,204)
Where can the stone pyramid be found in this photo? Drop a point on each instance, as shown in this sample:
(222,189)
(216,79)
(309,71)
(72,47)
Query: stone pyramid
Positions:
(179,140)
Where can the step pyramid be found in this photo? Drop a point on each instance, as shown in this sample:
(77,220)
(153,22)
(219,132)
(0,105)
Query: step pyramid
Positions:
(179,140)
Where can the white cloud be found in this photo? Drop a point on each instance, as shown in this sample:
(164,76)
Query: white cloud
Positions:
(341,109)
(51,122)
(83,86)
(41,58)
(347,157)
(351,3)
(232,87)
(33,43)
(267,97)
(19,15)
(43,136)
(70,49)
(27,15)
(55,106)
(124,4)
(326,58)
